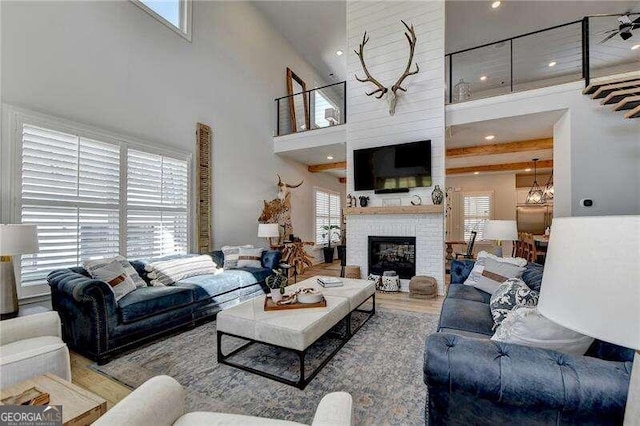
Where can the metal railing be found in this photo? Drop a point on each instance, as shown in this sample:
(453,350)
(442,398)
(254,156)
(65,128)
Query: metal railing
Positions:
(317,108)
(548,57)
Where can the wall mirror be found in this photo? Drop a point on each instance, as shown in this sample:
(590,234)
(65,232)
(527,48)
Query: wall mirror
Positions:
(298,102)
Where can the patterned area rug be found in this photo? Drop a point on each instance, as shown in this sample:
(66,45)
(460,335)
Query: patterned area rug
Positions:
(381,367)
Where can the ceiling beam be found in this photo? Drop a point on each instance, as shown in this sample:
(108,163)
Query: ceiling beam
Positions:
(342,180)
(542,164)
(316,168)
(501,148)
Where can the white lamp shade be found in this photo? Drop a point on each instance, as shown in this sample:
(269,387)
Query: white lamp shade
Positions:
(591,281)
(18,239)
(268,230)
(503,230)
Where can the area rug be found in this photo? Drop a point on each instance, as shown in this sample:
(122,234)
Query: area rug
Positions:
(381,367)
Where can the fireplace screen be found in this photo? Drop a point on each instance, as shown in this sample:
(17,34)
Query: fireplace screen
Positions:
(393,254)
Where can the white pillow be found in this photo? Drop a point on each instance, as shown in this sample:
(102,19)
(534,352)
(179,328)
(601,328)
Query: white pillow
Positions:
(231,255)
(527,326)
(490,271)
(92,265)
(115,275)
(168,272)
(250,257)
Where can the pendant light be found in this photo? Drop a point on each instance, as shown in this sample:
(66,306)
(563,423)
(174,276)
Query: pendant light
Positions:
(547,193)
(535,195)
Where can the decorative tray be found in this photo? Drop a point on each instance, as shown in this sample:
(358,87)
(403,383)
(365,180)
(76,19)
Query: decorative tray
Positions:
(270,305)
(31,396)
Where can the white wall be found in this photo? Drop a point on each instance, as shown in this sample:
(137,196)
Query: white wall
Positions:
(113,66)
(596,151)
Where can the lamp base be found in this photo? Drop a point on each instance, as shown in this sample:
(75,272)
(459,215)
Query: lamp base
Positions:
(8,293)
(632,411)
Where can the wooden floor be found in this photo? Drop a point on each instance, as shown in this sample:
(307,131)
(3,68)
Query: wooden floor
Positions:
(113,391)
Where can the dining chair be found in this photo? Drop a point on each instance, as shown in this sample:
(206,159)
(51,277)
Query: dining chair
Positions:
(470,244)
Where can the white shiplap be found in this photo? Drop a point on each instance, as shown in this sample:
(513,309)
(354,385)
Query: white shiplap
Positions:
(419,114)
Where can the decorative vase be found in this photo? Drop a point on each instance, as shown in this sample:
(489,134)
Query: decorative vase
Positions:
(364,201)
(437,196)
(276,296)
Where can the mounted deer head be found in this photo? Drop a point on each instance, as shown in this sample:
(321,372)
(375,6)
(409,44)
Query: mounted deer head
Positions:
(283,188)
(410,34)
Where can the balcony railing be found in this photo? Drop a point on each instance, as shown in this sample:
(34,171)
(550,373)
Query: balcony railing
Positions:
(317,108)
(561,54)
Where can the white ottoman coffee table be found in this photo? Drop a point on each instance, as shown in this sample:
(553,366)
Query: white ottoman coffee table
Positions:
(296,329)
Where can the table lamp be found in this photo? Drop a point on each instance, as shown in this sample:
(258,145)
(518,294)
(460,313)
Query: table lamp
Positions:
(14,240)
(500,230)
(591,284)
(268,231)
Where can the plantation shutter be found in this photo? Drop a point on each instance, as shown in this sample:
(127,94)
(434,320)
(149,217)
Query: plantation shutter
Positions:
(70,190)
(157,200)
(327,213)
(477,211)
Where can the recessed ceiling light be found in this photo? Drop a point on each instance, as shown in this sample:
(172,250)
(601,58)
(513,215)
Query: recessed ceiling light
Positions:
(496,4)
(329,157)
(635,47)
(476,173)
(527,170)
(552,63)
(490,137)
(483,78)
(339,52)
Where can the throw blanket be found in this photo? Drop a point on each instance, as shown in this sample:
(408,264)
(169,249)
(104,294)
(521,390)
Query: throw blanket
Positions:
(170,271)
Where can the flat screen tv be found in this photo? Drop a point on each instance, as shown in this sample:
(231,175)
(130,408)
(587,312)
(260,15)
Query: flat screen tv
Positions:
(393,167)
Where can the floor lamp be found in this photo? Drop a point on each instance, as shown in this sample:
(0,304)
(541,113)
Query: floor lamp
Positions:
(590,286)
(14,240)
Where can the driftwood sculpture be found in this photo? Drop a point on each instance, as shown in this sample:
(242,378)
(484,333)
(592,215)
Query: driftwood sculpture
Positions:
(295,255)
(278,210)
(381,90)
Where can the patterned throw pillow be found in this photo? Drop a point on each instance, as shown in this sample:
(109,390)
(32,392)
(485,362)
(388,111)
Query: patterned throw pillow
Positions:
(511,294)
(92,265)
(231,255)
(168,272)
(115,275)
(250,257)
(490,271)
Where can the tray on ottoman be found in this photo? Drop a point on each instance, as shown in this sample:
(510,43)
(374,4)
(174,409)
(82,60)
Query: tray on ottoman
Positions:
(270,305)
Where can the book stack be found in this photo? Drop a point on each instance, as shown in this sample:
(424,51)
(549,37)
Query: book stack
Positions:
(330,282)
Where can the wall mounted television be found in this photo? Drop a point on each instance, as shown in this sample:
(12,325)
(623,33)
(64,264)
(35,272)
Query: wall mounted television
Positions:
(393,168)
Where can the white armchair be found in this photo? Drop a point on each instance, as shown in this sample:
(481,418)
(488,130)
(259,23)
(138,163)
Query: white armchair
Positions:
(160,402)
(31,346)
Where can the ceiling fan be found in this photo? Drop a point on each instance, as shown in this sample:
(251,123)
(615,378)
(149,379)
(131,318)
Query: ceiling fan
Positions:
(625,27)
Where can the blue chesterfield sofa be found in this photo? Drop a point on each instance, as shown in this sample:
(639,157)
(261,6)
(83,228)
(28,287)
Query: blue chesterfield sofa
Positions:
(94,325)
(473,380)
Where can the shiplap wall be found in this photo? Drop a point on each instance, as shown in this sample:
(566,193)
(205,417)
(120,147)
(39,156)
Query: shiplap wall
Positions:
(419,115)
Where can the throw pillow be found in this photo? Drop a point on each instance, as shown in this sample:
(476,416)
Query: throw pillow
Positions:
(490,271)
(528,327)
(509,295)
(231,255)
(92,265)
(250,257)
(168,272)
(115,275)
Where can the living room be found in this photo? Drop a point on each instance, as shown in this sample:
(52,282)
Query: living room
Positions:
(148,130)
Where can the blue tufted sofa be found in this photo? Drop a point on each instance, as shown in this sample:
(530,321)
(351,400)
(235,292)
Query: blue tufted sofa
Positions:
(473,380)
(94,325)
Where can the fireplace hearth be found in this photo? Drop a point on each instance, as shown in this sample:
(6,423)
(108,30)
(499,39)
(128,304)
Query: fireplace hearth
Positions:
(393,254)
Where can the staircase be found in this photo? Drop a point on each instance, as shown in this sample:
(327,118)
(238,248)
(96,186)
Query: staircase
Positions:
(622,93)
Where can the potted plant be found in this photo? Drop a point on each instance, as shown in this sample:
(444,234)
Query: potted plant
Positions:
(277,283)
(330,230)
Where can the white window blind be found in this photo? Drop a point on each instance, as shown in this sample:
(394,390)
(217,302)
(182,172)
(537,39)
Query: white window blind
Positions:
(70,190)
(328,212)
(157,200)
(477,210)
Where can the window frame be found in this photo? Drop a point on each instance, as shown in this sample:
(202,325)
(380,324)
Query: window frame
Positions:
(464,215)
(186,18)
(317,189)
(13,118)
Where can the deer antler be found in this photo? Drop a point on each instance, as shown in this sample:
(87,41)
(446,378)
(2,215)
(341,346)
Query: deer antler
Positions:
(411,37)
(381,89)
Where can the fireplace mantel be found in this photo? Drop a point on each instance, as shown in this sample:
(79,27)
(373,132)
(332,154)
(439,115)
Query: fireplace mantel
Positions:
(425,209)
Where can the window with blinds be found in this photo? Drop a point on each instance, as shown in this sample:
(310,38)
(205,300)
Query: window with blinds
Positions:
(328,212)
(156,205)
(477,211)
(70,190)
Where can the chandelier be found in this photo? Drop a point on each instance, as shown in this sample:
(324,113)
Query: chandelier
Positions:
(547,193)
(535,195)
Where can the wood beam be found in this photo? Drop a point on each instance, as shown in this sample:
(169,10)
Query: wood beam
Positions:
(316,168)
(342,180)
(543,164)
(501,148)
